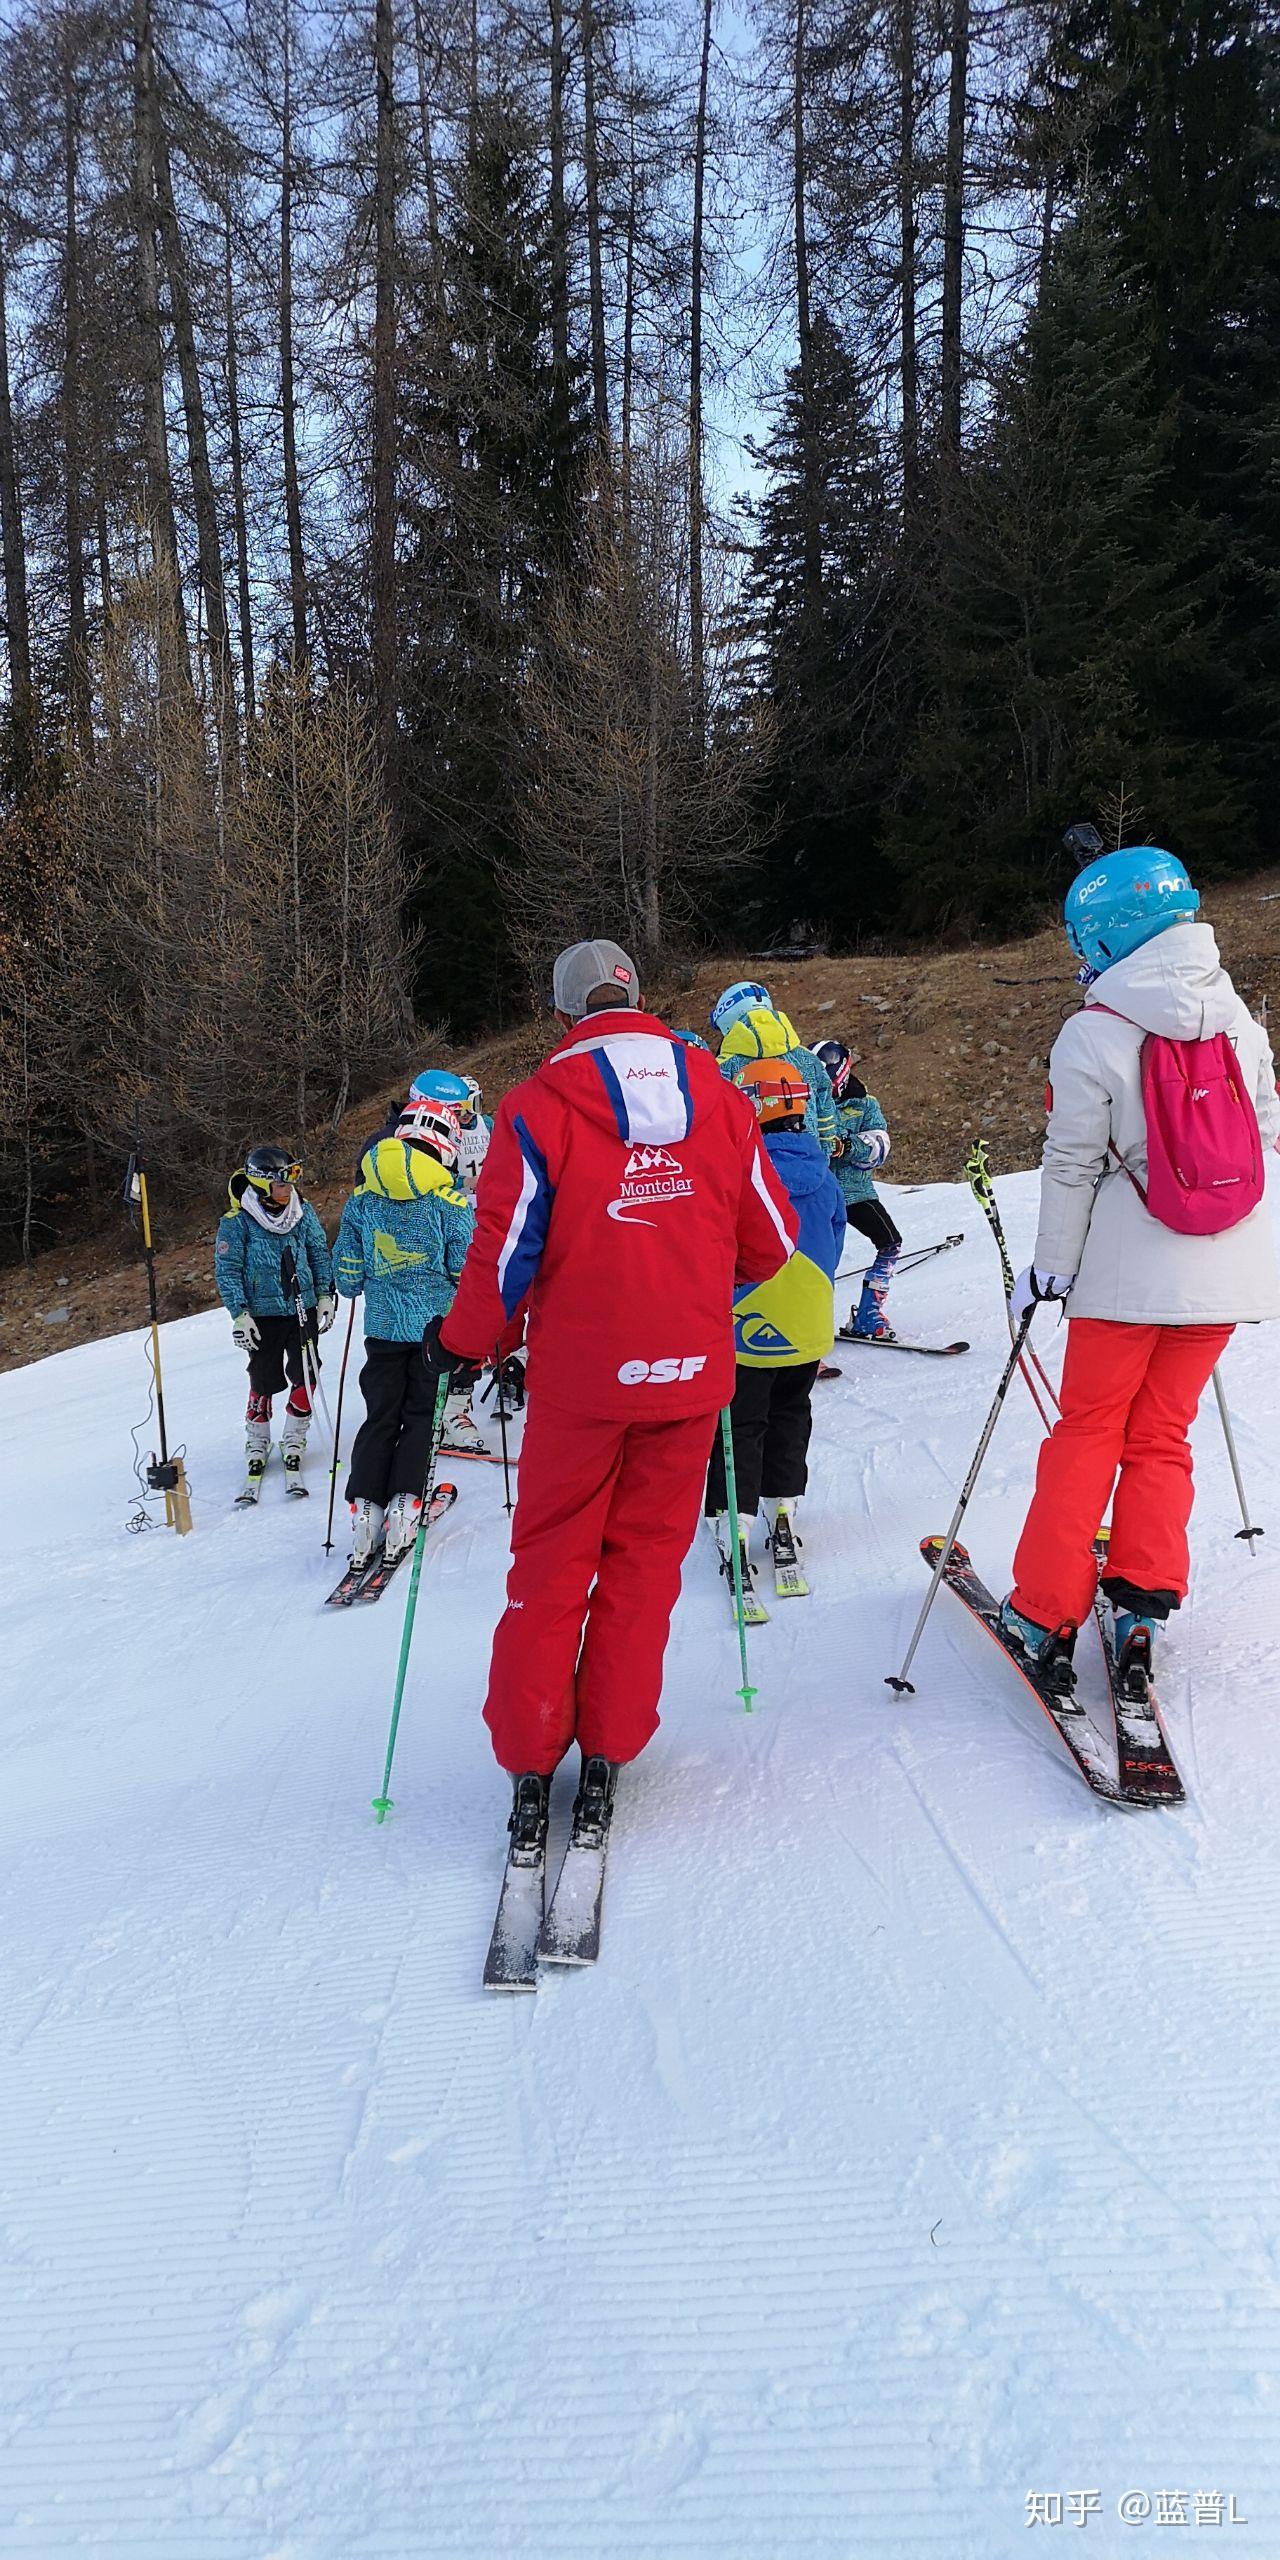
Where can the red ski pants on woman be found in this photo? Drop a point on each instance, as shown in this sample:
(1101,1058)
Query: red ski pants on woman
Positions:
(610,1503)
(1129,1396)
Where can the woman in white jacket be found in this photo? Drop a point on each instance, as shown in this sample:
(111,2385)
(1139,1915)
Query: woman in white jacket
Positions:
(1150,1309)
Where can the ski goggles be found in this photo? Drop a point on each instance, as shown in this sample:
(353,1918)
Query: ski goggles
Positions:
(272,1181)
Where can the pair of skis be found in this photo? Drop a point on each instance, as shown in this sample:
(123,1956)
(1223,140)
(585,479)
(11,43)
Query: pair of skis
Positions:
(1146,1772)
(247,1498)
(367,1581)
(527,1931)
(789,1580)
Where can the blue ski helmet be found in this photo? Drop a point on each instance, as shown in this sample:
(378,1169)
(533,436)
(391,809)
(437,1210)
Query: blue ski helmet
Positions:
(736,1002)
(1123,900)
(438,1085)
(691,1039)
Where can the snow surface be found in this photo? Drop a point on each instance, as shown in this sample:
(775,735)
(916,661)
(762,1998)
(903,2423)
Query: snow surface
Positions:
(913,2149)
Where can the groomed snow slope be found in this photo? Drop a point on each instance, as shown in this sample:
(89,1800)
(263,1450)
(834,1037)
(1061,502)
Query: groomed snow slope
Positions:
(914,2148)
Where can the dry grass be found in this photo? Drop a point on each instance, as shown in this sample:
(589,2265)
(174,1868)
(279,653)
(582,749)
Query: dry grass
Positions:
(953,1042)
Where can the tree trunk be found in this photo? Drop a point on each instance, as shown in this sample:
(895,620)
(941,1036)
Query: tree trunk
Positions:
(595,256)
(155,430)
(208,547)
(77,624)
(907,256)
(811,528)
(17,620)
(953,233)
(244,603)
(383,562)
(559,238)
(697,489)
(628,332)
(436,259)
(289,431)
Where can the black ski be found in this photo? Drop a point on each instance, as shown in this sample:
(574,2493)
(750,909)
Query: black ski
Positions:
(512,1961)
(1149,1773)
(466,1456)
(571,1930)
(894,1342)
(1067,1719)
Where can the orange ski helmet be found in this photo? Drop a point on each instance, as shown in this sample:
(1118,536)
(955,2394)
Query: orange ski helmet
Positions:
(777,1090)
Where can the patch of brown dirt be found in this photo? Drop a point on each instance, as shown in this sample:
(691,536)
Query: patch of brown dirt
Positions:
(953,1042)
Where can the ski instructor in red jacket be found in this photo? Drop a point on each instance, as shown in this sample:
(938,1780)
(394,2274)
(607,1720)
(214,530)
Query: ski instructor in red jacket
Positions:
(624,1194)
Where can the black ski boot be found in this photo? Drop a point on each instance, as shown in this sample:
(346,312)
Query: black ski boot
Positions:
(527,1824)
(593,1804)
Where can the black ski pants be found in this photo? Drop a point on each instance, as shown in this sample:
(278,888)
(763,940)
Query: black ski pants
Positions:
(872,1220)
(393,1443)
(772,1419)
(279,1355)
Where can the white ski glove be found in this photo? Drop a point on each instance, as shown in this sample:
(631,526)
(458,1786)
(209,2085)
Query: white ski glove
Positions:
(244,1332)
(875,1147)
(326,1309)
(1032,1288)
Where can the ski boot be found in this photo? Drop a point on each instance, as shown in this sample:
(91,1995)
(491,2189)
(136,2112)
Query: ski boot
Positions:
(1047,1651)
(257,1448)
(784,1544)
(1134,1647)
(293,1443)
(459,1437)
(868,1322)
(593,1804)
(400,1527)
(753,1609)
(527,1823)
(366,1533)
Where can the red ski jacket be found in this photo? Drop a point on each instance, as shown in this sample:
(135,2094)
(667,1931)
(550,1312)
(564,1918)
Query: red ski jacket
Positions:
(624,1194)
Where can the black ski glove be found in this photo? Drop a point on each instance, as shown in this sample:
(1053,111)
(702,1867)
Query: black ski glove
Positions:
(443,1363)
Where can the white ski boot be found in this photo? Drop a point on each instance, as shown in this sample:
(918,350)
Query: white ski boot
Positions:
(400,1527)
(366,1532)
(293,1443)
(459,1436)
(257,1450)
(753,1608)
(784,1544)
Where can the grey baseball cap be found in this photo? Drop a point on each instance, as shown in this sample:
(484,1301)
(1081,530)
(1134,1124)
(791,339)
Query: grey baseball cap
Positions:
(586,966)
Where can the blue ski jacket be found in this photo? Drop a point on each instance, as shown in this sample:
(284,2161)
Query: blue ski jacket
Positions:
(857,1114)
(403,1240)
(784,1322)
(247,1263)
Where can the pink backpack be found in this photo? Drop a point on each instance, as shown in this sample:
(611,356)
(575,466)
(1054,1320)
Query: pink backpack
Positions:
(1204,1146)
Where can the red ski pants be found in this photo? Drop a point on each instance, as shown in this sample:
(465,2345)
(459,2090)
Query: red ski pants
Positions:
(1129,1397)
(610,1503)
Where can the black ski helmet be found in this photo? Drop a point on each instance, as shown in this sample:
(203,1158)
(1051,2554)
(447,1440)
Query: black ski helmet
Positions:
(265,1166)
(838,1062)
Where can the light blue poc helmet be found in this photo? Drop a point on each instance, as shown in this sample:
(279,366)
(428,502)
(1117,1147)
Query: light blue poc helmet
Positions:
(736,1002)
(1123,900)
(439,1086)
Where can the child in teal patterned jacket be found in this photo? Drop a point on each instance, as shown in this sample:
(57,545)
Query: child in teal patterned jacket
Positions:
(862,1143)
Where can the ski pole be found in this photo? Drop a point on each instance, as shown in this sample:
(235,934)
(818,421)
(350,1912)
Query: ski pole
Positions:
(333,1471)
(165,1475)
(746,1692)
(502,1428)
(310,1349)
(382,1804)
(1248,1533)
(907,1261)
(979,1177)
(901,1682)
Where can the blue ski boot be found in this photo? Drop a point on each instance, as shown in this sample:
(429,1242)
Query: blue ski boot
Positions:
(1047,1651)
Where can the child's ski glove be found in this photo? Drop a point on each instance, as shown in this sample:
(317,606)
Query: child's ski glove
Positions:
(244,1332)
